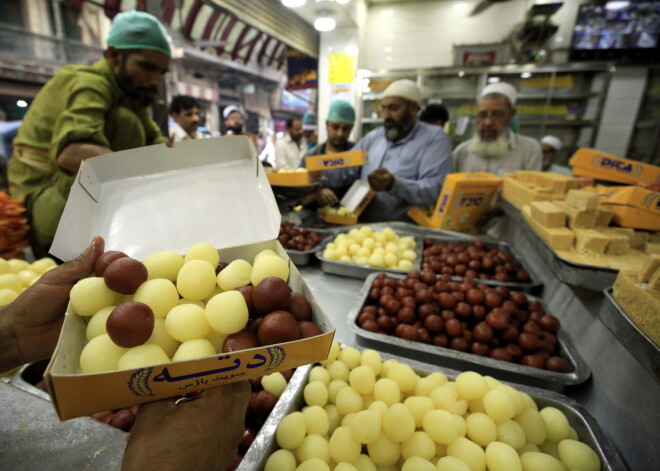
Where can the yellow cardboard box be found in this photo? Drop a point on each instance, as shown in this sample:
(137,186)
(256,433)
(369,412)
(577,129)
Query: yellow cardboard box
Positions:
(463,199)
(636,207)
(354,158)
(159,198)
(289,178)
(356,199)
(602,166)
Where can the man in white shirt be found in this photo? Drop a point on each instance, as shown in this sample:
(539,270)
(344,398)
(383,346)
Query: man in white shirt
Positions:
(495,147)
(290,148)
(550,146)
(185,113)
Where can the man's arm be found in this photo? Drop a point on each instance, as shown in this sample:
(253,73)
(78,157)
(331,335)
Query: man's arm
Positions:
(434,165)
(73,154)
(78,133)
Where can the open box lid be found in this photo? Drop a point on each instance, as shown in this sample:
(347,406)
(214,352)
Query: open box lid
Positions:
(158,198)
(355,194)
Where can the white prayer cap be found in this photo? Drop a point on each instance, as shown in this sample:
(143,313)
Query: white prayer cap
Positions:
(405,89)
(229,110)
(553,142)
(502,88)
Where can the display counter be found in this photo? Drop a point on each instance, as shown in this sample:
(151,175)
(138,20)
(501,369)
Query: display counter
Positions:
(621,394)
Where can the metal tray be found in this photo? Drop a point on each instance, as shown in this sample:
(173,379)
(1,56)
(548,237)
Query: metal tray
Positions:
(495,244)
(567,271)
(461,360)
(629,335)
(354,270)
(292,400)
(28,375)
(302,258)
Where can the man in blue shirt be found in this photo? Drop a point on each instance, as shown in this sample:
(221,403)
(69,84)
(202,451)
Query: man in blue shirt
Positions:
(408,160)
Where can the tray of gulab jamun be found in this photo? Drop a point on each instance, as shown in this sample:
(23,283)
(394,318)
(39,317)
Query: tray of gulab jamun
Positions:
(361,250)
(491,262)
(465,324)
(301,243)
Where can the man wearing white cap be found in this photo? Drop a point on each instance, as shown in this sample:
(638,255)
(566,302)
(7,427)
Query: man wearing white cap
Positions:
(234,123)
(495,147)
(408,160)
(550,146)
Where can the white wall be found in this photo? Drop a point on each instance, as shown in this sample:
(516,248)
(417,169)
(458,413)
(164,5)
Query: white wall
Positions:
(422,34)
(620,110)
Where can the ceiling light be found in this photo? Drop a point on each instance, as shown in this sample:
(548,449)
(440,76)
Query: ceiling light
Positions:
(324,23)
(342,2)
(460,6)
(388,49)
(526,75)
(388,35)
(493,79)
(461,73)
(616,5)
(293,3)
(387,12)
(21,103)
(389,58)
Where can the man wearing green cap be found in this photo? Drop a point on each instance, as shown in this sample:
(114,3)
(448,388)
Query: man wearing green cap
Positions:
(84,112)
(338,125)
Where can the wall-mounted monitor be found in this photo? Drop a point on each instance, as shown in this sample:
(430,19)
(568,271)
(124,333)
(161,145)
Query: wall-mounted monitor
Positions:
(621,31)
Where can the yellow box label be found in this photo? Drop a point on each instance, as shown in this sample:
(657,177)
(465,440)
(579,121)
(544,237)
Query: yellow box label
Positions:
(590,162)
(464,197)
(354,158)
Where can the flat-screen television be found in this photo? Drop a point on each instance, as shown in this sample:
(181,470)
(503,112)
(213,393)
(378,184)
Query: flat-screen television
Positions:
(622,31)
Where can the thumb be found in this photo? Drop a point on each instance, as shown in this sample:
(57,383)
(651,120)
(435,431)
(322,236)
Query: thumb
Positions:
(77,268)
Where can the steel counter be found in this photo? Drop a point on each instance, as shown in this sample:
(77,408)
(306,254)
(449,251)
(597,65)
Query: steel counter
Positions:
(621,395)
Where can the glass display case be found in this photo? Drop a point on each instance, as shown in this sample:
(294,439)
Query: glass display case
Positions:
(564,101)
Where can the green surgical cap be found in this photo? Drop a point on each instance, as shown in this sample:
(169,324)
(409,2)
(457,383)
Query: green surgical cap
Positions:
(341,111)
(138,30)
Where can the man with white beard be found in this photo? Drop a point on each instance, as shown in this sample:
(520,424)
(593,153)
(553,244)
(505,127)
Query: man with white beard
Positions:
(408,160)
(495,147)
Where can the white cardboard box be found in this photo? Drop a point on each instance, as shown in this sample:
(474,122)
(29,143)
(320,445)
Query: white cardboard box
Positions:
(158,198)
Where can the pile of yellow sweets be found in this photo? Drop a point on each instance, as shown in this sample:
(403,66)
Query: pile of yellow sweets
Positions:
(380,249)
(362,413)
(16,275)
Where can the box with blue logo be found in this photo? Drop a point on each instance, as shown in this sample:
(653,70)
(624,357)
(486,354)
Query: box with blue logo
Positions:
(353,158)
(602,166)
(155,199)
(463,199)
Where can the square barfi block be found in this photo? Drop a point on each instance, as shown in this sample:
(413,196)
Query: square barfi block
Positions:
(651,266)
(604,216)
(579,218)
(548,214)
(590,241)
(583,200)
(619,244)
(654,282)
(651,248)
